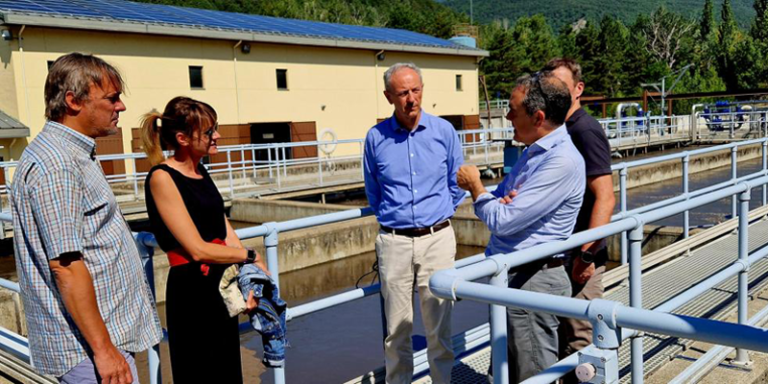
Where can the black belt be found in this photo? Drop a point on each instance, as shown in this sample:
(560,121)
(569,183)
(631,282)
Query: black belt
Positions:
(417,232)
(535,266)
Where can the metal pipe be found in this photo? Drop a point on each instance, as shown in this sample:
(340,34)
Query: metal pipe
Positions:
(153,354)
(135,180)
(10,285)
(621,106)
(686,214)
(623,202)
(742,357)
(499,359)
(765,169)
(636,297)
(229,172)
(734,176)
(270,243)
(686,327)
(706,363)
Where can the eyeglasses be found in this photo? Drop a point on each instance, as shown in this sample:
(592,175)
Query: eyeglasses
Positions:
(212,130)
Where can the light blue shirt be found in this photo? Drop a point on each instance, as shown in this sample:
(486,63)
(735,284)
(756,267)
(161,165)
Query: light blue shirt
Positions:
(410,176)
(550,179)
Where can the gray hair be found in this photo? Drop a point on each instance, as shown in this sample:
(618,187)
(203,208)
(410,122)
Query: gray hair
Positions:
(545,92)
(75,73)
(396,67)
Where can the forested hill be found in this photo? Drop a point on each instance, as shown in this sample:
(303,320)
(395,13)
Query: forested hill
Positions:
(563,12)
(424,16)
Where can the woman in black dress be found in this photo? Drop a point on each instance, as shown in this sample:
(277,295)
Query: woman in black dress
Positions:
(186,212)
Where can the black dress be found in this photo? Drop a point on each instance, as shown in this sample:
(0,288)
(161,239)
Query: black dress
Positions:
(204,341)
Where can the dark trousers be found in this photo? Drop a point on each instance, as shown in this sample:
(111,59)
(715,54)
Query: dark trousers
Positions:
(532,342)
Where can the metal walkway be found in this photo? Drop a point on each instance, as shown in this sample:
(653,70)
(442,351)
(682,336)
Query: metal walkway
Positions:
(661,283)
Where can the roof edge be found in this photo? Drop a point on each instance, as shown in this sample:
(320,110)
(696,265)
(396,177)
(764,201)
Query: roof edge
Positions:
(13,18)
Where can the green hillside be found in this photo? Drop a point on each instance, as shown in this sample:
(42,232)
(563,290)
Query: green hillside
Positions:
(562,12)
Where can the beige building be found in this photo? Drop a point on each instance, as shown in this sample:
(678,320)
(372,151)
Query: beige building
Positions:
(267,85)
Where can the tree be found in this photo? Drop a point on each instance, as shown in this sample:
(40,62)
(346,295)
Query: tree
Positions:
(611,58)
(665,34)
(759,30)
(727,41)
(707,25)
(523,49)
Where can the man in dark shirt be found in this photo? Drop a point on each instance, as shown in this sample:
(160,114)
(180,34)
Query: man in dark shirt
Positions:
(588,262)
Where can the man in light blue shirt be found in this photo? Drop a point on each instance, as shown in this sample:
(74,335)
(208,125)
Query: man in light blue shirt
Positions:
(537,202)
(410,166)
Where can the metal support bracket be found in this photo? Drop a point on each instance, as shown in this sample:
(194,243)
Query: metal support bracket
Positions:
(744,264)
(606,334)
(270,240)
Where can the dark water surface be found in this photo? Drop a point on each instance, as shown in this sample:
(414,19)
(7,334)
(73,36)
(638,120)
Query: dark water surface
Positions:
(336,345)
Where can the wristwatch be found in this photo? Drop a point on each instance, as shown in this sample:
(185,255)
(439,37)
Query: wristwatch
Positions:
(251,258)
(587,257)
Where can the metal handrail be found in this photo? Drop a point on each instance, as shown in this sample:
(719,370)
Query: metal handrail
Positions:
(607,316)
(270,231)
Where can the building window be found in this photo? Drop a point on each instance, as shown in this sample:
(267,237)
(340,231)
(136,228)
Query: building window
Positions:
(195,77)
(458,83)
(282,79)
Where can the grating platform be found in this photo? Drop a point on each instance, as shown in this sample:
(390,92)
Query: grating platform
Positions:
(659,285)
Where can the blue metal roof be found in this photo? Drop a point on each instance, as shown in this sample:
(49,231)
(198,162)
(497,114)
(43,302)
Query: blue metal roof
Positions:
(153,14)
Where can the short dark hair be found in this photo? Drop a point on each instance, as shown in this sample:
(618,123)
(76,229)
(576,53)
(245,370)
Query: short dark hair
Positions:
(545,92)
(76,72)
(571,64)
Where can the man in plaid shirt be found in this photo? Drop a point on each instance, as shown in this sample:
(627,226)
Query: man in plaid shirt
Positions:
(86,298)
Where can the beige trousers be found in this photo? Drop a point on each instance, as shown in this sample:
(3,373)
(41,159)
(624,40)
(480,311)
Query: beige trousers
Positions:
(403,263)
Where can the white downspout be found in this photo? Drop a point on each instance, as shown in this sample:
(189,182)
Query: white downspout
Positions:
(237,86)
(24,75)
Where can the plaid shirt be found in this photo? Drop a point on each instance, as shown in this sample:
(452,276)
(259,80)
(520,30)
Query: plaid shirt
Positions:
(62,203)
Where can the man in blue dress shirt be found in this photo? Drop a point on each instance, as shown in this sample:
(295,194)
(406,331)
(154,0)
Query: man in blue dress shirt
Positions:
(537,202)
(410,166)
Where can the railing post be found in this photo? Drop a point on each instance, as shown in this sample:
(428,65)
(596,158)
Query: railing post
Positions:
(765,169)
(499,359)
(270,243)
(277,160)
(285,162)
(269,161)
(623,202)
(135,179)
(362,161)
(734,176)
(253,163)
(319,166)
(742,356)
(229,172)
(242,162)
(146,253)
(686,216)
(636,296)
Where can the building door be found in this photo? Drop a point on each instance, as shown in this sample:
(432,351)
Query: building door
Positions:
(269,133)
